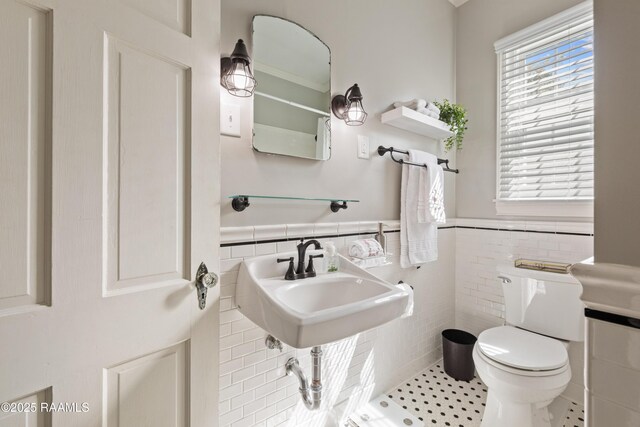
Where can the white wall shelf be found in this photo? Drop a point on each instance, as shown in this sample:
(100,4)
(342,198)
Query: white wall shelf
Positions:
(412,121)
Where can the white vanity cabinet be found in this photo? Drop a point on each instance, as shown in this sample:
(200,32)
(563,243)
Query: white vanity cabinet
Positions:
(612,376)
(611,294)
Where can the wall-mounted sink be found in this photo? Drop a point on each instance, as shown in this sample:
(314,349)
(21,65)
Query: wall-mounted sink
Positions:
(318,310)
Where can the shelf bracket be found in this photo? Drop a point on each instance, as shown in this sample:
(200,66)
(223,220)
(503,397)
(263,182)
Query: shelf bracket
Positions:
(336,206)
(240,203)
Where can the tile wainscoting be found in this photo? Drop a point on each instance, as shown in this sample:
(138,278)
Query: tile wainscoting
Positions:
(460,289)
(253,388)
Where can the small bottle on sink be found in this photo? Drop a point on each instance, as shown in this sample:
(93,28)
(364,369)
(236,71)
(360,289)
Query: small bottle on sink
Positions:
(331,258)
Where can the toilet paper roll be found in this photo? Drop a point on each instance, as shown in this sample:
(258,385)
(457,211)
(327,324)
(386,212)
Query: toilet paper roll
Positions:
(408,289)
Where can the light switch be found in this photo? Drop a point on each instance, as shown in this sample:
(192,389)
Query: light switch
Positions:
(230,120)
(363,147)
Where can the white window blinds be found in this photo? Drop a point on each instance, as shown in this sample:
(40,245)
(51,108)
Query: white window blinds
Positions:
(545,109)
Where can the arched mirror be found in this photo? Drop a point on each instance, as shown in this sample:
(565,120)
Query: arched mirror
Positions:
(292,101)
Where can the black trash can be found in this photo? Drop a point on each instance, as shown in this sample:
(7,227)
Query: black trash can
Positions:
(457,349)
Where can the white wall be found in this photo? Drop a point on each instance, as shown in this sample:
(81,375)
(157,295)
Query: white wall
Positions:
(617,151)
(480,24)
(393,53)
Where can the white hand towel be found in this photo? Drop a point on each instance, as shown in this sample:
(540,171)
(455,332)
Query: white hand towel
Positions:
(414,104)
(408,312)
(429,113)
(431,190)
(418,241)
(435,196)
(431,106)
(365,248)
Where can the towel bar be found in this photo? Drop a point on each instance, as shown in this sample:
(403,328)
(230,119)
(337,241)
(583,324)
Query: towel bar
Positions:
(383,150)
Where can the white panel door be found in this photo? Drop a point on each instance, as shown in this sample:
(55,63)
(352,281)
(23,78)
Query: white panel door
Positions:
(109,201)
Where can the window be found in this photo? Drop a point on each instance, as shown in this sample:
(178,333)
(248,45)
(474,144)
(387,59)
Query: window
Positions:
(545,116)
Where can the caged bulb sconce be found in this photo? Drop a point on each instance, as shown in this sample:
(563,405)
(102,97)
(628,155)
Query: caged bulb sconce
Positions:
(348,107)
(235,74)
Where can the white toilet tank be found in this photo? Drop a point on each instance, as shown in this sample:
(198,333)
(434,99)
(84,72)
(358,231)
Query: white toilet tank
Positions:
(543,302)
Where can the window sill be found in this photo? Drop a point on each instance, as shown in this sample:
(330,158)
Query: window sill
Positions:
(545,208)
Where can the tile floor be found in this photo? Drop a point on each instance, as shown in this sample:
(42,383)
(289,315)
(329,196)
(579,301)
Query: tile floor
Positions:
(441,401)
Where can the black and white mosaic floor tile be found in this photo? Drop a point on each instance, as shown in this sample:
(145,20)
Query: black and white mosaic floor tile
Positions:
(575,416)
(441,401)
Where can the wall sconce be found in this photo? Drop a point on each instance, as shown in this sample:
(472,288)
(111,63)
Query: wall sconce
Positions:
(348,107)
(235,74)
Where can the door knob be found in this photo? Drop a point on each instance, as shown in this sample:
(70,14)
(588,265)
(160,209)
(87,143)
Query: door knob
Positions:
(204,281)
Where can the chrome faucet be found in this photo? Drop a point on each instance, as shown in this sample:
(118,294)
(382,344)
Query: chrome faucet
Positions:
(302,251)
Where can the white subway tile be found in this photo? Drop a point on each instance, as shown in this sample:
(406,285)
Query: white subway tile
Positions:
(241,325)
(254,334)
(230,341)
(287,403)
(224,407)
(230,316)
(230,366)
(225,328)
(236,234)
(325,229)
(224,381)
(255,357)
(286,246)
(247,421)
(265,249)
(265,389)
(243,374)
(242,350)
(241,399)
(228,292)
(254,406)
(230,264)
(348,227)
(230,392)
(254,382)
(265,413)
(368,227)
(225,253)
(230,417)
(295,231)
(226,304)
(243,251)
(276,396)
(266,366)
(270,232)
(229,277)
(277,419)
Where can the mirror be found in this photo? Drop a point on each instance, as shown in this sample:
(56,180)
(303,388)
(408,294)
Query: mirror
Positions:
(292,101)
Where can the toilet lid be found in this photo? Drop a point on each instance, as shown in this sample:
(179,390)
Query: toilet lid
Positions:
(522,349)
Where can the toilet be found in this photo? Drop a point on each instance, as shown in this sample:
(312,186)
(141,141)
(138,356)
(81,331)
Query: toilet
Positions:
(525,363)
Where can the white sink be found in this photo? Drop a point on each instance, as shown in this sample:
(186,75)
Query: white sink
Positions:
(318,310)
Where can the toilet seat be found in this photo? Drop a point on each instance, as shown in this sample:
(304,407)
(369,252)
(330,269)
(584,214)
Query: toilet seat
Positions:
(522,350)
(514,371)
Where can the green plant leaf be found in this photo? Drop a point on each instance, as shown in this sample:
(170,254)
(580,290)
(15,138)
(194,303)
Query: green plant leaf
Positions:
(455,116)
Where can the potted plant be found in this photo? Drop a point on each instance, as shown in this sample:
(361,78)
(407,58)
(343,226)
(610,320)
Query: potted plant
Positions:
(455,116)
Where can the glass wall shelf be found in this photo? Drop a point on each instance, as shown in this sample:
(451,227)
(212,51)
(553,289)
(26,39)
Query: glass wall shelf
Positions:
(241,201)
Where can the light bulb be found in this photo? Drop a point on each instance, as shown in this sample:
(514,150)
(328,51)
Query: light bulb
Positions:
(239,81)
